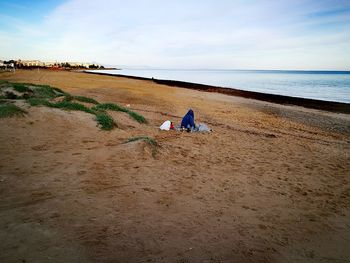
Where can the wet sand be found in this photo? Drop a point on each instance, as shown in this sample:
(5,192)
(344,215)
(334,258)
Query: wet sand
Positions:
(270,184)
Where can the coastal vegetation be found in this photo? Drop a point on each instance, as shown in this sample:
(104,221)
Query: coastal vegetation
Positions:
(44,95)
(105,121)
(115,107)
(10,110)
(82,99)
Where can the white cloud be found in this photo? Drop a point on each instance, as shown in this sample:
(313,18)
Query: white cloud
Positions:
(186,34)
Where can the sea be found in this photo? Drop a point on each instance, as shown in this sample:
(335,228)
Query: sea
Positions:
(319,85)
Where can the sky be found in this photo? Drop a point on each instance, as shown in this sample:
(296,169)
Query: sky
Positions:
(181,34)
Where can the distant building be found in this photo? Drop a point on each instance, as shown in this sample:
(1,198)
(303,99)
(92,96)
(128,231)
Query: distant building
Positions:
(6,64)
(51,64)
(80,64)
(30,63)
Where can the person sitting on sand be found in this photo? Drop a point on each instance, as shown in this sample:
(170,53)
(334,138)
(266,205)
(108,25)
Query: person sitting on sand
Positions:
(188,121)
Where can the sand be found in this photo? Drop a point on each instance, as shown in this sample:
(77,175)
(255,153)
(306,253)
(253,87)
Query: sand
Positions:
(271,183)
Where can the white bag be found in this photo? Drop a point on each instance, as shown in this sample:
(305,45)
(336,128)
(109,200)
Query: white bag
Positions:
(165,126)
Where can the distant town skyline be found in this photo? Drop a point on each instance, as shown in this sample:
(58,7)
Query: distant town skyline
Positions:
(226,34)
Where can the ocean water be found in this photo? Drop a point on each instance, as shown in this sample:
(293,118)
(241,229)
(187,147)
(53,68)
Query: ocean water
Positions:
(320,85)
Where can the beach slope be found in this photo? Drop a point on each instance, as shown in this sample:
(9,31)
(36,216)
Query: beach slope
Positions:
(271,183)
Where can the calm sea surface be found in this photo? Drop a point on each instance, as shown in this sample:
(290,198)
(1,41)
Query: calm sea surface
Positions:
(321,85)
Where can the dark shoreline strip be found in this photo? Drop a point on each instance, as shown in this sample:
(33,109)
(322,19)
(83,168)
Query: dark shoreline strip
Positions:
(338,107)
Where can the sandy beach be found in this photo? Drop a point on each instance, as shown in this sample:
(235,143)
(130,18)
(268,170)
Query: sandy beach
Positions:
(271,183)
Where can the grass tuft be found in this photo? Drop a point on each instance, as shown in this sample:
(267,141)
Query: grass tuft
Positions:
(20,87)
(137,117)
(67,105)
(115,107)
(59,91)
(107,123)
(45,92)
(110,106)
(10,110)
(85,99)
(38,102)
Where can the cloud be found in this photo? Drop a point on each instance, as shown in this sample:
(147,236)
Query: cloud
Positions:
(191,34)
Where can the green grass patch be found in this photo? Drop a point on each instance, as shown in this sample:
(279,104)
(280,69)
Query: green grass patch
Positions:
(29,90)
(38,102)
(39,91)
(65,105)
(85,99)
(110,106)
(102,118)
(115,107)
(10,110)
(68,105)
(107,123)
(137,117)
(59,91)
(4,84)
(45,92)
(20,87)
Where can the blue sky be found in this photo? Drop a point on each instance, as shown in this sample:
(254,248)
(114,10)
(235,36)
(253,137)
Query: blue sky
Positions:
(229,34)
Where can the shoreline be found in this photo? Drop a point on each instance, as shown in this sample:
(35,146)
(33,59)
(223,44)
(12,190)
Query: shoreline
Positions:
(338,107)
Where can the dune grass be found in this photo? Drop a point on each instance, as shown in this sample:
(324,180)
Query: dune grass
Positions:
(85,99)
(115,107)
(65,105)
(43,95)
(137,117)
(9,110)
(38,102)
(110,106)
(59,91)
(20,87)
(107,123)
(45,92)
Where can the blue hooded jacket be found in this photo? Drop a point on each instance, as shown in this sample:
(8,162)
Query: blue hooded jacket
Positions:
(188,120)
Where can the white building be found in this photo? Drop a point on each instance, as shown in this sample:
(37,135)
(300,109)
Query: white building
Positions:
(49,64)
(30,63)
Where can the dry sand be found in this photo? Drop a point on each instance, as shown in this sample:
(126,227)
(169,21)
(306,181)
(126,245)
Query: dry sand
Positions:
(270,184)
